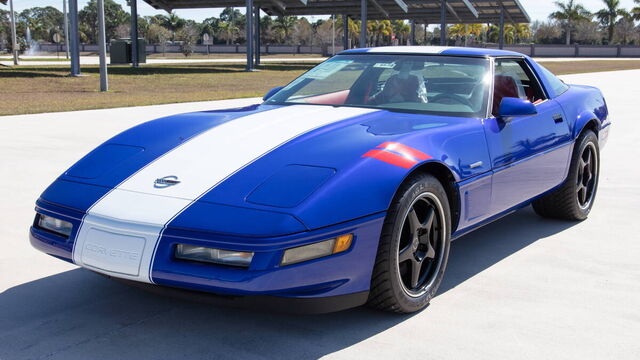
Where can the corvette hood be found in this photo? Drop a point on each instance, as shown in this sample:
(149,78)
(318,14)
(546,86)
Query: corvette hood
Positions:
(285,169)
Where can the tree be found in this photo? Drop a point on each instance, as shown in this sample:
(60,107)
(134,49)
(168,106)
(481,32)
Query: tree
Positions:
(625,28)
(636,10)
(283,25)
(210,26)
(570,13)
(379,31)
(227,31)
(42,21)
(546,32)
(401,29)
(172,22)
(187,35)
(353,27)
(588,32)
(114,16)
(303,32)
(157,34)
(230,14)
(608,17)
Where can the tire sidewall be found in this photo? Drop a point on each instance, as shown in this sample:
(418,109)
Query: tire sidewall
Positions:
(588,137)
(425,184)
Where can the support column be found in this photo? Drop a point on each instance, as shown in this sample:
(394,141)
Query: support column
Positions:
(249,34)
(74,38)
(501,36)
(14,40)
(102,47)
(345,32)
(134,33)
(66,27)
(443,22)
(426,38)
(412,37)
(257,33)
(363,23)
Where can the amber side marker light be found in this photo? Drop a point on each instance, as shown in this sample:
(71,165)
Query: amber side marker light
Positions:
(317,250)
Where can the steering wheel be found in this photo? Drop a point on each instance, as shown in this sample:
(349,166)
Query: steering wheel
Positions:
(453,97)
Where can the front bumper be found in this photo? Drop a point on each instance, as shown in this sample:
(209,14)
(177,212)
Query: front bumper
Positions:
(333,277)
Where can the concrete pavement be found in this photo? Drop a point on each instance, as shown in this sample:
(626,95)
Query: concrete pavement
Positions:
(522,287)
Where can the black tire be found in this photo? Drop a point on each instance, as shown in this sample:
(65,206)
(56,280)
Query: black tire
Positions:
(575,198)
(419,223)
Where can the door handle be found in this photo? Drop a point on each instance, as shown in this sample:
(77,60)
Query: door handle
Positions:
(557,118)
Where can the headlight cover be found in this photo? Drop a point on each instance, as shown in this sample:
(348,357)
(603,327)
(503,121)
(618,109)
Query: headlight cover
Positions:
(60,227)
(215,256)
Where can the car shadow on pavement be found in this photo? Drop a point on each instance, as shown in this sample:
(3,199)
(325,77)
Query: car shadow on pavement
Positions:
(80,315)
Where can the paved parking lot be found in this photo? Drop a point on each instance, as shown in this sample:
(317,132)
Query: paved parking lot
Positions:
(522,287)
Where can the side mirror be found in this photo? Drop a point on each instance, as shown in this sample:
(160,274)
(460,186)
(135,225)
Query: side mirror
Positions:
(511,106)
(271,92)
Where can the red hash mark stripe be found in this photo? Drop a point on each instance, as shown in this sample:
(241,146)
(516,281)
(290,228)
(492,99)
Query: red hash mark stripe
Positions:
(397,154)
(404,150)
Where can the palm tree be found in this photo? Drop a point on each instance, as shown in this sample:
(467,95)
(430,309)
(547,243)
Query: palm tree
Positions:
(227,31)
(609,16)
(570,13)
(636,10)
(285,25)
(402,30)
(380,29)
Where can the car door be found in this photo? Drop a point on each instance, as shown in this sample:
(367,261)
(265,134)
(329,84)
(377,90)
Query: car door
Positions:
(529,154)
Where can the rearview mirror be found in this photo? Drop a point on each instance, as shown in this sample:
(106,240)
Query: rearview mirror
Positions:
(512,106)
(271,92)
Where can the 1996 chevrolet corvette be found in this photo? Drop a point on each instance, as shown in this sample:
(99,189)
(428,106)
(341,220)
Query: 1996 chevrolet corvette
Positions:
(343,188)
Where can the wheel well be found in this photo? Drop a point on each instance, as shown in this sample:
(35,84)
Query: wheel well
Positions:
(590,125)
(444,175)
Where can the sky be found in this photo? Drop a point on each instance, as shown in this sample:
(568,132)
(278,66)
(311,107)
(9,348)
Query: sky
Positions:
(537,9)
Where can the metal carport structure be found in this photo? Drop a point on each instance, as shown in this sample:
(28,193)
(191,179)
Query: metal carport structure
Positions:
(441,12)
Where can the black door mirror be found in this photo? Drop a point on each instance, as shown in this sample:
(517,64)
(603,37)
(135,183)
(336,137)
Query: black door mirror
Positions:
(512,106)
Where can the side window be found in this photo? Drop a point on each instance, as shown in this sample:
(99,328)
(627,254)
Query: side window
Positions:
(557,85)
(514,79)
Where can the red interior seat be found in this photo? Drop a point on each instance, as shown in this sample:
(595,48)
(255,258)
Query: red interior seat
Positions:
(504,86)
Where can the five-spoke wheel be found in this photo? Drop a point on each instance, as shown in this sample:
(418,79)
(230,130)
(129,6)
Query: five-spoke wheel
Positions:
(421,243)
(414,247)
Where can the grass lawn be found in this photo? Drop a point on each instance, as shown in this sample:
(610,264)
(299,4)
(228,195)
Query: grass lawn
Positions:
(31,89)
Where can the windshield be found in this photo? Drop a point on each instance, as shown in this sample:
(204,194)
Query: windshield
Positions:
(442,85)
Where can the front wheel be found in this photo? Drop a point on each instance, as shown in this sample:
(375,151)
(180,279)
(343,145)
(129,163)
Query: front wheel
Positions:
(414,247)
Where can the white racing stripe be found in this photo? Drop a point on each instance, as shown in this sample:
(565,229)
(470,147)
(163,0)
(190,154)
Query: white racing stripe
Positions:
(138,211)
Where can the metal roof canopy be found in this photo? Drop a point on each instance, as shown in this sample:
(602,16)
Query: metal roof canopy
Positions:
(423,11)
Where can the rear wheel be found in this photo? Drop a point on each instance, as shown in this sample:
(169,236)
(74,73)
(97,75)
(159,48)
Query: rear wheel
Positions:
(414,247)
(574,199)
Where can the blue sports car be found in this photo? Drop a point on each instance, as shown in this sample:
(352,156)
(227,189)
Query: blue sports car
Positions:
(343,188)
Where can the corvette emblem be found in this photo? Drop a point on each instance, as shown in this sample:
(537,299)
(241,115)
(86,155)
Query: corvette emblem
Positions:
(166,181)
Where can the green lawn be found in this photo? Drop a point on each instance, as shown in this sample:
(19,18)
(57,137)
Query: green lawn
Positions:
(31,89)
